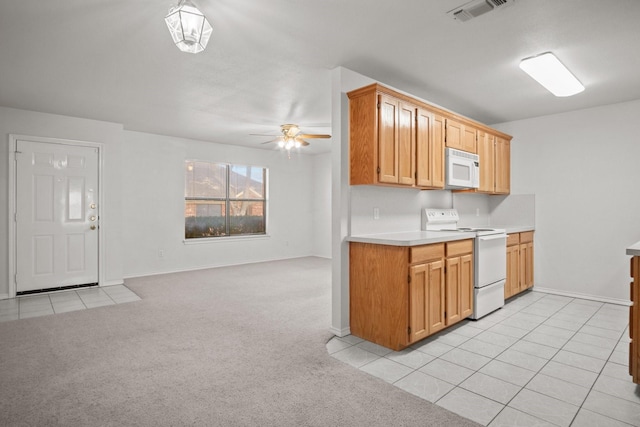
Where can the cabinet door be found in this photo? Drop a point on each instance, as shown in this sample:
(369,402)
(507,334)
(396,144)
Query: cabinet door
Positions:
(502,166)
(461,136)
(437,146)
(429,149)
(529,265)
(486,152)
(526,265)
(418,296)
(466,286)
(436,296)
(469,138)
(454,134)
(452,288)
(424,151)
(406,143)
(426,300)
(512,286)
(388,139)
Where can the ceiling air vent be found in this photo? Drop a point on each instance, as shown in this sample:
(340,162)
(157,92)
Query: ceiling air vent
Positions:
(475,8)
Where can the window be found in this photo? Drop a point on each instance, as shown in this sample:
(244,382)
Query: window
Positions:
(224,200)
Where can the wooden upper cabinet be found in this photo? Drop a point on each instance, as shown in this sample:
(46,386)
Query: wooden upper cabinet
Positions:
(429,149)
(382,139)
(486,152)
(406,143)
(461,136)
(502,166)
(387,140)
(398,140)
(495,163)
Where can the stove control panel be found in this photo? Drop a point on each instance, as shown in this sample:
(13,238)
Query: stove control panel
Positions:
(433,219)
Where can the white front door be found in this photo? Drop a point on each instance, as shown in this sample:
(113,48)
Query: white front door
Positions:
(56,215)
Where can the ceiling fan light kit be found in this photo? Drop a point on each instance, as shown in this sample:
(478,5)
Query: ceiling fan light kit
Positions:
(189,27)
(292,137)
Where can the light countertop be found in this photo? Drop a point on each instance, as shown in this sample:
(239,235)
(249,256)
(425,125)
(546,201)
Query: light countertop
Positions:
(411,238)
(634,250)
(514,228)
(416,238)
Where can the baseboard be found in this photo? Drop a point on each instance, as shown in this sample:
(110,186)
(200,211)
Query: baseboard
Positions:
(4,296)
(112,283)
(340,332)
(582,296)
(206,267)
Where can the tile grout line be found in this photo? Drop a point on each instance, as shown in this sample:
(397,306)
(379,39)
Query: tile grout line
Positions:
(521,339)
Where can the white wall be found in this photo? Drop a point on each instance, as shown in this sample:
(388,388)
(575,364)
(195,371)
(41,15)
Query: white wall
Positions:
(399,208)
(143,189)
(153,197)
(584,169)
(30,123)
(321,219)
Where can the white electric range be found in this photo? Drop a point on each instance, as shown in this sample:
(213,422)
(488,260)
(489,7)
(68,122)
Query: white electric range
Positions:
(489,253)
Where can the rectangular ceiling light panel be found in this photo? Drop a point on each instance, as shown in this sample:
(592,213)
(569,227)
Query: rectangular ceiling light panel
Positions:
(547,70)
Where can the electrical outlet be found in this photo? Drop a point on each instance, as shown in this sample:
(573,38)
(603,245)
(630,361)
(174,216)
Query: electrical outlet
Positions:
(376,213)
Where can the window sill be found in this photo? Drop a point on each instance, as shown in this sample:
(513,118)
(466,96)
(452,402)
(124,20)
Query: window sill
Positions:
(206,240)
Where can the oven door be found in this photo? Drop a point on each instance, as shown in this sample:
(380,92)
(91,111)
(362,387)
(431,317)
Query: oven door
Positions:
(491,259)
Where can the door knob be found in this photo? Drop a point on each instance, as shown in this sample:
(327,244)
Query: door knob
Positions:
(93,227)
(92,218)
(92,206)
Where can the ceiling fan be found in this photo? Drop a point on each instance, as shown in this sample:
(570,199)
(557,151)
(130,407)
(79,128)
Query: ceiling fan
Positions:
(292,137)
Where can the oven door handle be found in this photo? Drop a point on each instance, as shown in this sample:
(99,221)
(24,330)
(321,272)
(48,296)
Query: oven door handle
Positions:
(493,237)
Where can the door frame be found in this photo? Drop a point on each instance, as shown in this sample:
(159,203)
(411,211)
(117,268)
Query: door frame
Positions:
(13,238)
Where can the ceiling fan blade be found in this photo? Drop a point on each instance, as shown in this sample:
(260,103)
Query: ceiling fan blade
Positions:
(271,140)
(302,142)
(310,136)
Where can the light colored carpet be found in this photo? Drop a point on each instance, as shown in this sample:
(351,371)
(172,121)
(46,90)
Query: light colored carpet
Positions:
(231,346)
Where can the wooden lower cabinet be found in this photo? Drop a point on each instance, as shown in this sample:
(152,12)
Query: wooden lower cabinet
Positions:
(634,321)
(519,263)
(400,295)
(426,300)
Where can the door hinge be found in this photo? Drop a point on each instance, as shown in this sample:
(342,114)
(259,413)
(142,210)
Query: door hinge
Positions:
(15,279)
(378,170)
(409,330)
(378,106)
(409,278)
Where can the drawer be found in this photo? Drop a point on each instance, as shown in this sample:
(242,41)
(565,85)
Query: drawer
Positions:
(526,237)
(513,239)
(426,253)
(460,247)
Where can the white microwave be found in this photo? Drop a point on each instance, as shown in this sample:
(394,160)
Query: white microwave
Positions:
(462,169)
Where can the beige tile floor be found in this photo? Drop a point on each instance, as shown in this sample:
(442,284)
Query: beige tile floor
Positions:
(63,301)
(541,360)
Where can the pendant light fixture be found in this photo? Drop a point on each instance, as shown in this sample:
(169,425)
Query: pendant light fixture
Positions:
(547,70)
(188,26)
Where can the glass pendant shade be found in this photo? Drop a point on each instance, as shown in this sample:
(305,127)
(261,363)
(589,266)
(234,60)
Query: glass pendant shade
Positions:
(189,28)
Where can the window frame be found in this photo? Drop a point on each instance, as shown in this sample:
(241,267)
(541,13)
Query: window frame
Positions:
(226,202)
